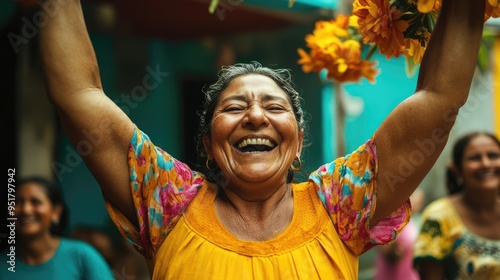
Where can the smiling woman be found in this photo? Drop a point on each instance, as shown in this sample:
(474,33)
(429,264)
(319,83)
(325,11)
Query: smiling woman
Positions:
(244,217)
(41,251)
(249,98)
(460,236)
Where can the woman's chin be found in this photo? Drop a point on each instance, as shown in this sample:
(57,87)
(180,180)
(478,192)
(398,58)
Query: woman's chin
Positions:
(28,231)
(28,234)
(260,174)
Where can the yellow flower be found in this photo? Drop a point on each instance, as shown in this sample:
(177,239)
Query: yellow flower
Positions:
(414,49)
(336,27)
(333,51)
(380,24)
(427,6)
(492,9)
(353,21)
(350,66)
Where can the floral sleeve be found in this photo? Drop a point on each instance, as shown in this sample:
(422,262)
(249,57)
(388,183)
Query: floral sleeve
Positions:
(347,188)
(161,187)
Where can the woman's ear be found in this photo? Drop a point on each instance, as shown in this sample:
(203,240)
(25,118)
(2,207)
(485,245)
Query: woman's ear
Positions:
(301,141)
(455,171)
(56,213)
(207,143)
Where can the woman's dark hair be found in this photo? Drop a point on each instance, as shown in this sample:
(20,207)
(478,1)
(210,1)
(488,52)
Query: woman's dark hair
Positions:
(226,75)
(54,194)
(452,184)
(457,157)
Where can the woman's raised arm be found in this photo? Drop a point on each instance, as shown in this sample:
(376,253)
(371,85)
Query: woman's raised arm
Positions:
(412,137)
(98,128)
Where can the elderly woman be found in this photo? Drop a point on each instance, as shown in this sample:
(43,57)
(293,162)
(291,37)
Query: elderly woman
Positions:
(245,219)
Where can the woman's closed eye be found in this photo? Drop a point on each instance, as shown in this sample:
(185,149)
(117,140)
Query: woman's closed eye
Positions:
(493,156)
(234,108)
(276,108)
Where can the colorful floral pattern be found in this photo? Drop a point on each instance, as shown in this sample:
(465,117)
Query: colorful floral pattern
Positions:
(162,188)
(443,237)
(347,187)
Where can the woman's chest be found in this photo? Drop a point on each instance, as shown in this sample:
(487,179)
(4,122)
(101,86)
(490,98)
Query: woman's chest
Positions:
(476,257)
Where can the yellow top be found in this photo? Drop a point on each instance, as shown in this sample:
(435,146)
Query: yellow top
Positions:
(305,250)
(444,238)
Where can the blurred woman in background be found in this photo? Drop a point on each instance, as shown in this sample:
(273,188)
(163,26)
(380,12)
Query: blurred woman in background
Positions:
(41,251)
(460,234)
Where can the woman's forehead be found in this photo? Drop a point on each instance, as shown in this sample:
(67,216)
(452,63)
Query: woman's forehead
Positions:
(253,86)
(481,142)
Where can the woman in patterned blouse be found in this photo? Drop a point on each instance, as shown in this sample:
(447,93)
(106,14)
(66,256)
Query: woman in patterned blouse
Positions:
(245,218)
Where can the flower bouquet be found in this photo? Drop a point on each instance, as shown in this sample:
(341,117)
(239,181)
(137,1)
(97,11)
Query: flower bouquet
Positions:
(345,45)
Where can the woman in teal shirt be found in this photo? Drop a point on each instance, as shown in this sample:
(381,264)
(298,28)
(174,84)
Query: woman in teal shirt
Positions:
(40,251)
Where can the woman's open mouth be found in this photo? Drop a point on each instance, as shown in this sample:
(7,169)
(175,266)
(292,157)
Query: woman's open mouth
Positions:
(255,145)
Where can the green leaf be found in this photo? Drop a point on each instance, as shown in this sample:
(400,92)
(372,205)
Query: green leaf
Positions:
(371,51)
(483,58)
(213,6)
(410,67)
(484,55)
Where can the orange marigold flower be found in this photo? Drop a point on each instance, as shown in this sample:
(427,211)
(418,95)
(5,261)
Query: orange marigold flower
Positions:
(331,49)
(492,9)
(342,61)
(381,24)
(427,6)
(414,49)
(335,27)
(415,46)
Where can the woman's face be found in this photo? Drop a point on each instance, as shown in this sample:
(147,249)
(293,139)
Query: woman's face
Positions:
(34,211)
(254,134)
(481,164)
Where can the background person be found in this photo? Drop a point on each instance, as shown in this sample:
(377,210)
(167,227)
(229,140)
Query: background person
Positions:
(41,251)
(244,217)
(124,261)
(460,235)
(99,239)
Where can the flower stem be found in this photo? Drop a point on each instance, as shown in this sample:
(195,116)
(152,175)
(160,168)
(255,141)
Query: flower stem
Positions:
(371,51)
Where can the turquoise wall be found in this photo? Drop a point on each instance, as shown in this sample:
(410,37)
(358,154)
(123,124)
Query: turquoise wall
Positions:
(378,100)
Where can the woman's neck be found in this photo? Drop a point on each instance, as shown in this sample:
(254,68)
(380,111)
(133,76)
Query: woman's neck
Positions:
(38,249)
(255,220)
(481,201)
(255,209)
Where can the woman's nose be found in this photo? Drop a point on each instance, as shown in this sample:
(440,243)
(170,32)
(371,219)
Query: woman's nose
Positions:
(25,208)
(255,116)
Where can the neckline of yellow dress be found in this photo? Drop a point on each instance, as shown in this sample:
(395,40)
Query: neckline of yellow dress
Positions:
(460,222)
(308,221)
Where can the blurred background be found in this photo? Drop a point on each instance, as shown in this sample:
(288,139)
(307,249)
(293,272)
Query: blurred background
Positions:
(185,45)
